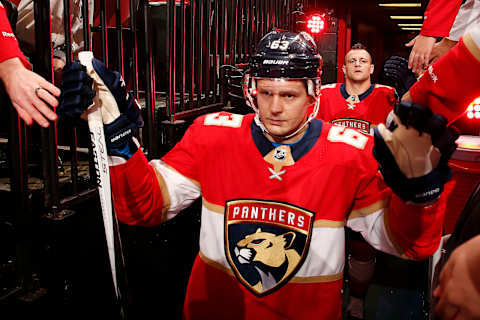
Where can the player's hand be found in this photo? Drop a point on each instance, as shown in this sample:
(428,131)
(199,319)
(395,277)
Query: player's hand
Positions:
(120,111)
(441,48)
(396,73)
(459,287)
(413,152)
(406,97)
(31,95)
(420,54)
(77,93)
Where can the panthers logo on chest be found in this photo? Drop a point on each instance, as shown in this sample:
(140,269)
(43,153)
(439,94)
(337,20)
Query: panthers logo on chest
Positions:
(266,242)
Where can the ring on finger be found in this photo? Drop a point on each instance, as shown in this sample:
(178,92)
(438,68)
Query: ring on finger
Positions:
(37,89)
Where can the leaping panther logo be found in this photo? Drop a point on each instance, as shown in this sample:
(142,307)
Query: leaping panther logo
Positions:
(266,242)
(270,256)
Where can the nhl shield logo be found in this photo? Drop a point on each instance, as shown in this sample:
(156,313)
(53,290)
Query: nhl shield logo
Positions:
(266,242)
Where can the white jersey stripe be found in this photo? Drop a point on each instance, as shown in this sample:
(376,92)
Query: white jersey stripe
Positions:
(182,190)
(377,236)
(325,258)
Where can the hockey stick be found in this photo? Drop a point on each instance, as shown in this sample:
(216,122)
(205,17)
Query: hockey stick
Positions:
(99,147)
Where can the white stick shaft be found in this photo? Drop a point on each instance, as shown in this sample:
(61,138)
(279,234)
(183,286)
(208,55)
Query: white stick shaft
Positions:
(103,178)
(97,135)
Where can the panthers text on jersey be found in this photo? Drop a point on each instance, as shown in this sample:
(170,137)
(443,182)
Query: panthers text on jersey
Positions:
(272,226)
(363,112)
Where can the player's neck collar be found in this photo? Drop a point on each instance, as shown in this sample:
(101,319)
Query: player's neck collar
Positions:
(345,94)
(299,149)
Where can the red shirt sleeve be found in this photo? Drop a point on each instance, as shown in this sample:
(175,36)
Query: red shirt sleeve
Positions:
(451,83)
(439,17)
(136,192)
(8,41)
(415,230)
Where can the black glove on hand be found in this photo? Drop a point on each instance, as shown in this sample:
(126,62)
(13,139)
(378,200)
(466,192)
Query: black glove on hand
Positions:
(119,132)
(413,153)
(397,74)
(77,93)
(120,112)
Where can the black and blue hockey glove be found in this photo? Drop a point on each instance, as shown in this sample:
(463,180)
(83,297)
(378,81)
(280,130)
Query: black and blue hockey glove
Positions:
(397,74)
(120,111)
(77,93)
(413,152)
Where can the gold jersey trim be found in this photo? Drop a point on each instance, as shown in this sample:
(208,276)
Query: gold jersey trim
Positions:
(213,207)
(471,46)
(363,212)
(386,221)
(322,223)
(165,194)
(314,279)
(215,264)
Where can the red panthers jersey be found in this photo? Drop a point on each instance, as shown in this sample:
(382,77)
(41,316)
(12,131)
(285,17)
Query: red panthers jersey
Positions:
(363,112)
(272,224)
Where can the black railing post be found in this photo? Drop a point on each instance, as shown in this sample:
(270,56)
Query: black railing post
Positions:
(149,85)
(21,197)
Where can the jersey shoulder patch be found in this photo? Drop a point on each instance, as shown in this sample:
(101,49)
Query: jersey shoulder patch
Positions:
(329,86)
(348,136)
(223,119)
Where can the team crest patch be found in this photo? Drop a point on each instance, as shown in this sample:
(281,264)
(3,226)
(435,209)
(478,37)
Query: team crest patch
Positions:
(352,102)
(266,242)
(279,157)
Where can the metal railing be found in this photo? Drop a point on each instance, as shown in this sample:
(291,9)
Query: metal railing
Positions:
(199,38)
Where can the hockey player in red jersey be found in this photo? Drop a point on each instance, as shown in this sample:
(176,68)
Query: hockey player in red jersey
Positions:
(357,103)
(277,186)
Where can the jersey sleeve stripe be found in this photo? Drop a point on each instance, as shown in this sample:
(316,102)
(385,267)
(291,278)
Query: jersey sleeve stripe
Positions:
(215,264)
(386,222)
(316,279)
(164,190)
(179,190)
(322,223)
(213,207)
(363,212)
(471,46)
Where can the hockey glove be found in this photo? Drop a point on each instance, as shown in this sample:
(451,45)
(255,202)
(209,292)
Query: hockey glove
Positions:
(413,152)
(120,111)
(397,74)
(77,93)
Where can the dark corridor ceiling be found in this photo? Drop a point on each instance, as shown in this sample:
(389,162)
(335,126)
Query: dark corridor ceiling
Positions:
(368,11)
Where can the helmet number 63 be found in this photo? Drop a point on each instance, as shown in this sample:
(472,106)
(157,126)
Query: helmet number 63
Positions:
(277,44)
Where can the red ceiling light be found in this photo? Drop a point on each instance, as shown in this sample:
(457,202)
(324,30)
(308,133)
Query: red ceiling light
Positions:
(316,24)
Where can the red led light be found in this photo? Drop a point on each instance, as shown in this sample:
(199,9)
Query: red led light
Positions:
(316,24)
(473,110)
